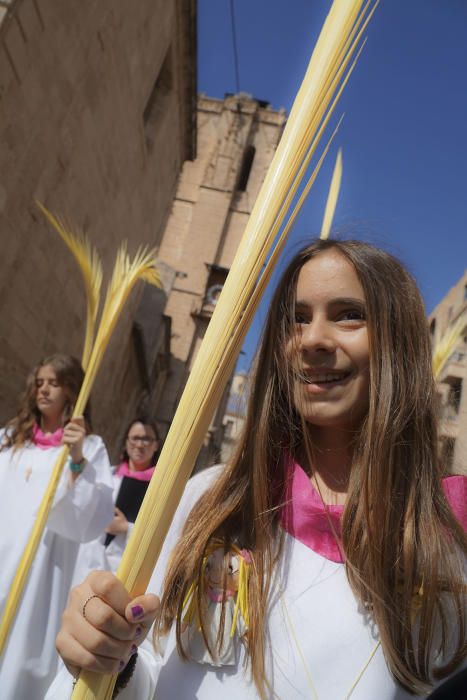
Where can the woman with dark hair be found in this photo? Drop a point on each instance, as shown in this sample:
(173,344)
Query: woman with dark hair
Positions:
(325,560)
(131,479)
(30,444)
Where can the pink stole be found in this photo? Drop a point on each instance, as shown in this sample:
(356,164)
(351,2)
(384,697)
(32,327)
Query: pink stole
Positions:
(123,469)
(43,440)
(305,517)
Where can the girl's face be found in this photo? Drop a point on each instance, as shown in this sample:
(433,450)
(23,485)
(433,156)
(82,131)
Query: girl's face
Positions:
(329,350)
(141,443)
(51,398)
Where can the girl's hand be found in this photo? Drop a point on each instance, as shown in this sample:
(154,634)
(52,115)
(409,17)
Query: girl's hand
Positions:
(74,433)
(102,626)
(119,525)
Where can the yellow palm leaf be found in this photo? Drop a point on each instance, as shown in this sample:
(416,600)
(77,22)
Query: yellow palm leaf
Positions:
(446,344)
(90,267)
(333,196)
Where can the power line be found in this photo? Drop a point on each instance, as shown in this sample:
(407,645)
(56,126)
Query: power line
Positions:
(235,51)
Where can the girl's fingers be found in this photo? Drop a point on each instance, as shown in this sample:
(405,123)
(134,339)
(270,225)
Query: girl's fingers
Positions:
(143,610)
(73,432)
(78,421)
(103,599)
(102,626)
(76,657)
(110,589)
(94,635)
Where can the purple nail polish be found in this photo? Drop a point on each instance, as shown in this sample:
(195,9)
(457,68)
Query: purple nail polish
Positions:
(134,649)
(138,631)
(121,665)
(137,612)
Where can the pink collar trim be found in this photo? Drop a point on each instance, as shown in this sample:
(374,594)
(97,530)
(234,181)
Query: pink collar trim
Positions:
(316,525)
(305,517)
(44,441)
(144,475)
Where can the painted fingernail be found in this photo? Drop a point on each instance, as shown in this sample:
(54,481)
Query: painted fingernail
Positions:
(121,665)
(137,612)
(134,649)
(138,631)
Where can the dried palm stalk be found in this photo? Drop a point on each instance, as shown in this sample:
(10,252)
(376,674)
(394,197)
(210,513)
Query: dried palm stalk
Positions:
(333,196)
(90,267)
(447,343)
(215,361)
(125,275)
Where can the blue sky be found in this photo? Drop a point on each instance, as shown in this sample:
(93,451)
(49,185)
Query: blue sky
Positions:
(404,137)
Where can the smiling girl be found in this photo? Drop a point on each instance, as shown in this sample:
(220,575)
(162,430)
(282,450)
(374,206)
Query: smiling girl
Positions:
(333,504)
(30,445)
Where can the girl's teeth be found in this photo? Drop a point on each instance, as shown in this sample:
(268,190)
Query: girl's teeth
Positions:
(324,378)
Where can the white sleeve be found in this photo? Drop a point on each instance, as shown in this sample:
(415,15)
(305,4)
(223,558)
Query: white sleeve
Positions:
(115,549)
(81,511)
(143,681)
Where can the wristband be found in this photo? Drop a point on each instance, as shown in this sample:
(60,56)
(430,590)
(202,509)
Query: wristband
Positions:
(76,467)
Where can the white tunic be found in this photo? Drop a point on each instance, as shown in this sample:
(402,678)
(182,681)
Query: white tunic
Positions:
(321,646)
(80,512)
(95,555)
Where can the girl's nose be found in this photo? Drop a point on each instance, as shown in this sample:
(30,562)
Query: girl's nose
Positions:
(316,336)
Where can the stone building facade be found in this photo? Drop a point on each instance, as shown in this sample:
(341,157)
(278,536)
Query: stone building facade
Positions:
(237,138)
(97,116)
(452,384)
(234,417)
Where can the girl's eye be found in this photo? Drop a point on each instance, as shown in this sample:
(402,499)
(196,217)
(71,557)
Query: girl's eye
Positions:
(352,315)
(300,319)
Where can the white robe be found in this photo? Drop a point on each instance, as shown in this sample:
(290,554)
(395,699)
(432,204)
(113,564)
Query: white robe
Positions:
(319,640)
(29,661)
(94,555)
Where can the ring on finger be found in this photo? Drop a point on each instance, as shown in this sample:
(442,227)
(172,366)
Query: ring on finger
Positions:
(87,601)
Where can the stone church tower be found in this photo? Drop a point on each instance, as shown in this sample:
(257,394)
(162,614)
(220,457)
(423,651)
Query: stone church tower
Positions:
(237,138)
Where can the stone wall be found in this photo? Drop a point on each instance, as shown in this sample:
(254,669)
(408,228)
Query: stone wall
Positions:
(97,107)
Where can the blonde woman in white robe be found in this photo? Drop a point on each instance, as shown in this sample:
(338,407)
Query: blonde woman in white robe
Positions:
(82,507)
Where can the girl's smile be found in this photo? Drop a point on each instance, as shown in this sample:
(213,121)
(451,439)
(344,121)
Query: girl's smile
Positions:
(318,381)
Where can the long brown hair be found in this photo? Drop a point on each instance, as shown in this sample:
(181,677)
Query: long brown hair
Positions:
(399,535)
(70,376)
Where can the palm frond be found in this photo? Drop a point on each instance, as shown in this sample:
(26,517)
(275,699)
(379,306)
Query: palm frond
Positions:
(333,196)
(445,346)
(90,266)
